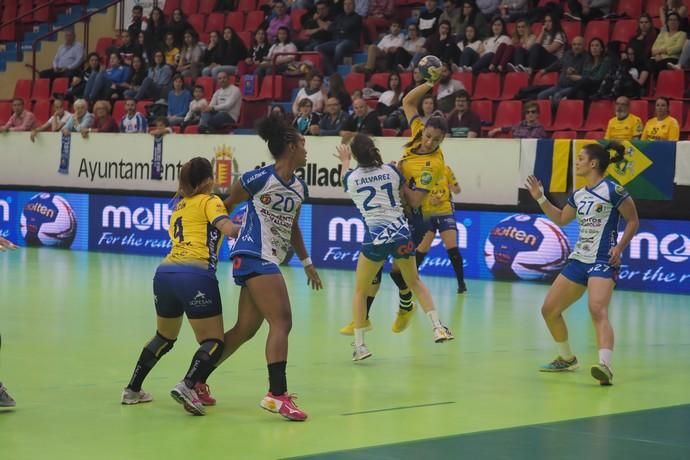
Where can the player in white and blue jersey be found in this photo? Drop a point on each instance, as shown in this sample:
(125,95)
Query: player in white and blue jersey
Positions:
(5,398)
(593,265)
(274,195)
(375,188)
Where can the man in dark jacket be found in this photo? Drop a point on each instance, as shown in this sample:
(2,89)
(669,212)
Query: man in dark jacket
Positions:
(346,30)
(570,66)
(362,120)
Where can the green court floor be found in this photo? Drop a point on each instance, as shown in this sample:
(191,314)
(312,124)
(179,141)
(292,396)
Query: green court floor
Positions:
(73,324)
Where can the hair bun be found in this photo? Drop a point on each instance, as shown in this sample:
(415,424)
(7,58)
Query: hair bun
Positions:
(271,127)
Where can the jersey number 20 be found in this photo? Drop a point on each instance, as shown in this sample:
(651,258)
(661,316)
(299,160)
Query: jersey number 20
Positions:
(372,193)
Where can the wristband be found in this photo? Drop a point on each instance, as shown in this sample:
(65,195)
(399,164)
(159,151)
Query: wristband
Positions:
(541,200)
(307,262)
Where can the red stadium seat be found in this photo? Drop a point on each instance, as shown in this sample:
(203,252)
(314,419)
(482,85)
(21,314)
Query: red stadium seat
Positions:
(296,16)
(207,6)
(675,109)
(572,29)
(5,111)
(354,81)
(189,7)
(380,79)
(600,112)
(550,78)
(405,79)
(594,135)
(141,107)
(261,3)
(624,30)
(234,19)
(60,86)
(102,46)
(466,79)
(488,86)
(170,6)
(313,57)
(484,109)
(568,116)
(22,89)
(197,22)
(629,8)
(208,84)
(545,117)
(271,89)
(215,22)
(45,14)
(246,5)
(670,84)
(508,113)
(41,111)
(564,135)
(254,20)
(119,111)
(387,132)
(653,7)
(41,89)
(512,83)
(597,29)
(640,108)
(246,37)
(192,129)
(8,33)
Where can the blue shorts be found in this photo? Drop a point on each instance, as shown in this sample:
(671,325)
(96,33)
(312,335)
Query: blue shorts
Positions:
(580,272)
(194,294)
(418,226)
(442,223)
(398,249)
(245,267)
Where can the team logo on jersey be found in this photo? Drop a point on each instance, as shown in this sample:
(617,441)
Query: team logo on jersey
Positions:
(598,208)
(225,167)
(426,178)
(620,190)
(265,199)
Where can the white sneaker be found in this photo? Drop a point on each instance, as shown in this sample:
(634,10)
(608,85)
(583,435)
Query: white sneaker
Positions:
(5,398)
(442,334)
(360,352)
(135,397)
(188,398)
(513,68)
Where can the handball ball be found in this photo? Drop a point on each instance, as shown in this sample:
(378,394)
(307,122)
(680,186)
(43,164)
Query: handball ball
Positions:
(429,63)
(48,220)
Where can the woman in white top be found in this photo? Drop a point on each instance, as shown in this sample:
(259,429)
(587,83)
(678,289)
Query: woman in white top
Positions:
(469,47)
(282,45)
(190,56)
(54,123)
(390,100)
(412,45)
(549,46)
(488,48)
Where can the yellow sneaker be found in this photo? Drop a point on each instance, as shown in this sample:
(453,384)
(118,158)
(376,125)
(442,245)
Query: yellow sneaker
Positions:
(350,328)
(403,319)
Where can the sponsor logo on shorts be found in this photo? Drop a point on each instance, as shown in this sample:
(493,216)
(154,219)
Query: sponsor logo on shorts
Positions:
(200,300)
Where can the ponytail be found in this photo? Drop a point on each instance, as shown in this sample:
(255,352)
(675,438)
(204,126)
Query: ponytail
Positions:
(365,152)
(613,153)
(193,176)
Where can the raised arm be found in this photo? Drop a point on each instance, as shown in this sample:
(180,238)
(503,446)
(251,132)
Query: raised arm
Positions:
(413,98)
(560,217)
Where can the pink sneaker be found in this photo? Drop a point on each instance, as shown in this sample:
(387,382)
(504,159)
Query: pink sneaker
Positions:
(283,405)
(204,394)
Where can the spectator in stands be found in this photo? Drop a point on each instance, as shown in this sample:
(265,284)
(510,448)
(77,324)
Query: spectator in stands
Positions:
(333,119)
(668,45)
(644,37)
(489,8)
(380,57)
(179,99)
(283,45)
(146,51)
(529,128)
(154,34)
(441,44)
(67,60)
(627,79)
(278,111)
(315,25)
(362,7)
(462,122)
(56,122)
(571,68)
(468,48)
(138,24)
(102,120)
(196,107)
(213,54)
(448,88)
(313,91)
(471,16)
(190,55)
(451,13)
(413,44)
(597,67)
(177,26)
(378,18)
(362,120)
(306,120)
(674,6)
(427,107)
(224,109)
(336,89)
(489,47)
(512,10)
(586,10)
(78,82)
(170,51)
(663,127)
(161,127)
(510,57)
(625,126)
(133,121)
(233,52)
(256,54)
(21,120)
(346,29)
(390,99)
(80,121)
(136,78)
(429,18)
(157,83)
(417,79)
(105,84)
(280,19)
(549,46)
(129,47)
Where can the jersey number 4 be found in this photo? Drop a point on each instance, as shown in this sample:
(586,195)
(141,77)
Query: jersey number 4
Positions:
(372,193)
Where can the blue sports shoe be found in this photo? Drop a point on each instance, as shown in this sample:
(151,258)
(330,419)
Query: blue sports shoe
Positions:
(560,365)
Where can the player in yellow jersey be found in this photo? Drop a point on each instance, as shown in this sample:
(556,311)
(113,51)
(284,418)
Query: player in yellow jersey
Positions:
(625,126)
(663,127)
(185,283)
(439,211)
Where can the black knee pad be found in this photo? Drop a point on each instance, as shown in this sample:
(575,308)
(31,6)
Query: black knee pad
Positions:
(398,280)
(213,348)
(419,257)
(157,347)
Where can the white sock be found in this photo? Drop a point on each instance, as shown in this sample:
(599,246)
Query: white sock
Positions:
(564,350)
(359,337)
(433,317)
(605,356)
